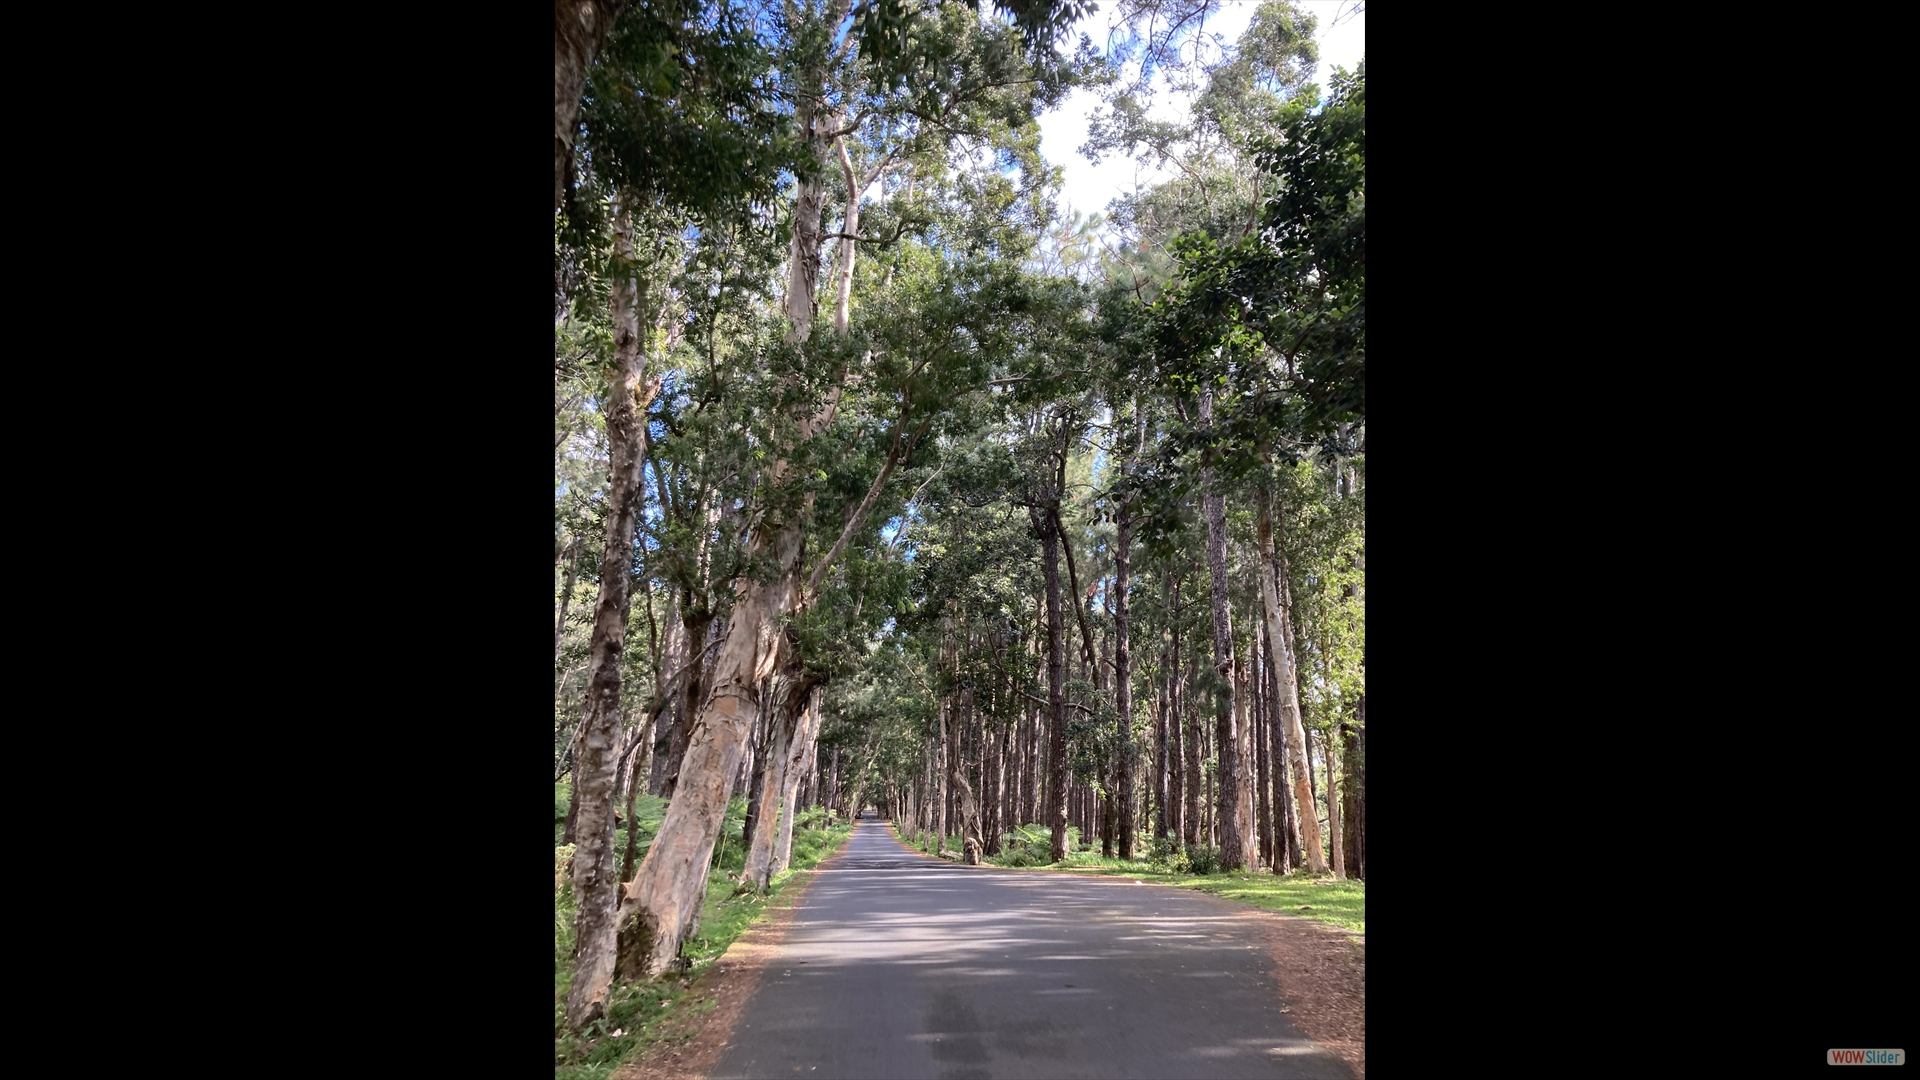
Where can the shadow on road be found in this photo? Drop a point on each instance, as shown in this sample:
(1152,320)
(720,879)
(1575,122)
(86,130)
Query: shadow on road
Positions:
(902,966)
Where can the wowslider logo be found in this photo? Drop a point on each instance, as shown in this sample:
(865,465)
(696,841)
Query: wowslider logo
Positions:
(1866,1057)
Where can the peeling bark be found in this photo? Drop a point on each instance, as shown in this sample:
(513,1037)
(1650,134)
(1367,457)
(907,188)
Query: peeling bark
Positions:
(785,726)
(666,893)
(801,754)
(1243,818)
(1279,634)
(594,882)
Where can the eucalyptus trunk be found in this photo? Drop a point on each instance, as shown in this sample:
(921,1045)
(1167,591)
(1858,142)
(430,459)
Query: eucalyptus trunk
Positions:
(1333,810)
(1232,825)
(1123,678)
(1287,842)
(1355,791)
(1056,690)
(665,895)
(801,755)
(1273,586)
(595,883)
(1242,818)
(1257,699)
(1190,822)
(970,845)
(1161,788)
(785,726)
(636,778)
(696,625)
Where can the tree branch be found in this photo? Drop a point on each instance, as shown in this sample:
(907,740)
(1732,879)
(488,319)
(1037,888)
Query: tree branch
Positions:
(1044,701)
(898,230)
(812,591)
(1080,604)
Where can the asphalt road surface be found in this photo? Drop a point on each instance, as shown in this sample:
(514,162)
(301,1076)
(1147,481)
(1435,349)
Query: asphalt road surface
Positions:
(897,966)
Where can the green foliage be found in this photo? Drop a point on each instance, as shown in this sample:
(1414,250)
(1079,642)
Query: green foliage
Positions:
(728,854)
(1203,859)
(1032,845)
(1283,308)
(676,112)
(1010,379)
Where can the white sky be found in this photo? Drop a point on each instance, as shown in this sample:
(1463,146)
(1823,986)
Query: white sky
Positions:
(1087,187)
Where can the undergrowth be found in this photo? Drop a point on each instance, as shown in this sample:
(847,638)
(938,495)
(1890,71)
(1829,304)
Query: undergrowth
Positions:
(1168,862)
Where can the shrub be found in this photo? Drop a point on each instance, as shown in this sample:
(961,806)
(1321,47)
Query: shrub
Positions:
(1203,860)
(1029,845)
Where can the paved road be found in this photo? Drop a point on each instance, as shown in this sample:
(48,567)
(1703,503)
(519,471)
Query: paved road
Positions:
(901,967)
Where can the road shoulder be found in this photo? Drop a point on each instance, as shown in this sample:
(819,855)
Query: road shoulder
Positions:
(690,1045)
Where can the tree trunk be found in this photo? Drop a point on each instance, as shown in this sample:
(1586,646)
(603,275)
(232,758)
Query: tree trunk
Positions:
(1242,817)
(566,597)
(1289,833)
(786,727)
(1190,730)
(1273,586)
(1050,541)
(1263,813)
(637,775)
(1233,853)
(969,823)
(800,756)
(1313,787)
(666,893)
(696,627)
(1333,812)
(1166,788)
(595,884)
(1123,674)
(752,777)
(580,28)
(1355,804)
(944,757)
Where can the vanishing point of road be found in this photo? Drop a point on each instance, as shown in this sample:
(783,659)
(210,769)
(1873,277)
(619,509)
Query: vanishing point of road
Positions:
(899,966)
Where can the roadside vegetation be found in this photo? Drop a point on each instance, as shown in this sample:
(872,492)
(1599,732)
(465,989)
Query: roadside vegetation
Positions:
(635,1010)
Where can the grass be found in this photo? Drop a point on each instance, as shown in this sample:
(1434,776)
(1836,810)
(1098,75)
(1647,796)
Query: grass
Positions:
(636,1009)
(1323,898)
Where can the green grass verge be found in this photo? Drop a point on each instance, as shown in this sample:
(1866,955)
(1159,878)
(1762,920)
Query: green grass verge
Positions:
(636,1009)
(1324,898)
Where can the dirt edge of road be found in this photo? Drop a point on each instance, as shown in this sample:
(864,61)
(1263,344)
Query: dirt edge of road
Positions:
(690,1045)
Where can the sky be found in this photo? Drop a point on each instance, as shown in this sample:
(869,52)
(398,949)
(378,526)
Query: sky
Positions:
(1087,187)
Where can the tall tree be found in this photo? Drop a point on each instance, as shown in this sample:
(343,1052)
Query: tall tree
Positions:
(1233,845)
(628,393)
(1279,633)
